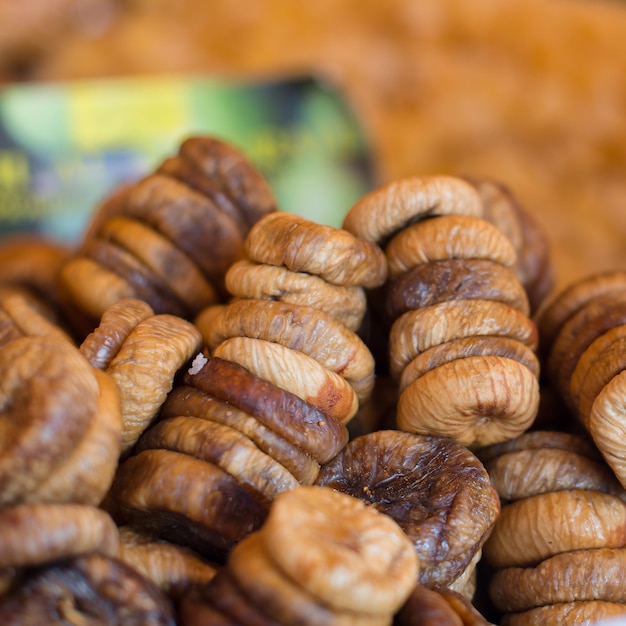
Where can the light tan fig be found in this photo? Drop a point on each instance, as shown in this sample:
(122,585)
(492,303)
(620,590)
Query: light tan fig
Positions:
(448,237)
(536,528)
(301,245)
(340,550)
(392,207)
(576,576)
(245,279)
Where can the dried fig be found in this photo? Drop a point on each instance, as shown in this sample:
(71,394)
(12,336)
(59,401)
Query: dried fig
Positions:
(90,589)
(185,500)
(448,237)
(297,421)
(437,491)
(440,607)
(49,396)
(245,279)
(590,612)
(190,401)
(334,254)
(295,372)
(538,527)
(172,568)
(388,209)
(576,576)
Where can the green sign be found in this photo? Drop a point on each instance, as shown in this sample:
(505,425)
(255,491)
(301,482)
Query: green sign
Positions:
(64,147)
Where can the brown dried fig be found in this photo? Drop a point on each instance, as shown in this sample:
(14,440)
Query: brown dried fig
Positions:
(94,588)
(440,607)
(437,491)
(334,254)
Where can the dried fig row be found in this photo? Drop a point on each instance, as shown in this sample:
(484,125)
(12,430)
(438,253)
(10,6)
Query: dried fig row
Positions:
(584,328)
(451,286)
(169,238)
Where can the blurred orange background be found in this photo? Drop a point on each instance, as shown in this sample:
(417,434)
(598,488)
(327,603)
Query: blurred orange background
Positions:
(529,92)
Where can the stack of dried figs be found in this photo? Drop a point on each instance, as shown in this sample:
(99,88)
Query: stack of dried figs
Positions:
(217,412)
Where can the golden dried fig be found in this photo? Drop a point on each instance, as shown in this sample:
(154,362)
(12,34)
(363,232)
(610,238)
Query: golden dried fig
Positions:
(334,254)
(576,576)
(248,280)
(538,527)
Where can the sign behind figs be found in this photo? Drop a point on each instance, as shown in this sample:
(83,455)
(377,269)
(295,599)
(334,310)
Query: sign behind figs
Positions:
(65,146)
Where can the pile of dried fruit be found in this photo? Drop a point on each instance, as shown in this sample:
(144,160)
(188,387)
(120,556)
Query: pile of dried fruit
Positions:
(217,412)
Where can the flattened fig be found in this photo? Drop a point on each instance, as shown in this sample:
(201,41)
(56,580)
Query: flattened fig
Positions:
(437,491)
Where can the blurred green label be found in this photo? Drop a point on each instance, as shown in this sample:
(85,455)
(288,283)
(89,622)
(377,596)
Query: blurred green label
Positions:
(64,147)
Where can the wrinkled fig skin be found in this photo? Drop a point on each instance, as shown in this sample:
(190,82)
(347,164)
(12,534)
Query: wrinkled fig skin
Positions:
(94,589)
(573,576)
(296,420)
(586,612)
(436,490)
(334,254)
(455,279)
